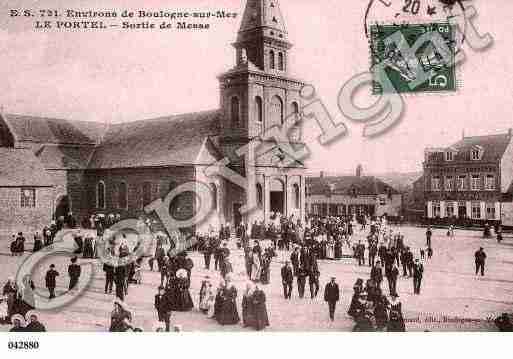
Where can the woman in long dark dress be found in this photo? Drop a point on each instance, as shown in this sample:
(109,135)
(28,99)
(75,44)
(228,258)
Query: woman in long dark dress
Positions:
(260,309)
(120,317)
(38,242)
(228,314)
(338,248)
(380,312)
(218,302)
(182,295)
(248,313)
(396,321)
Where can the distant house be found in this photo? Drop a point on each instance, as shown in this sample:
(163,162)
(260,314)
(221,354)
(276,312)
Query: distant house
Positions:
(349,195)
(26,192)
(470,179)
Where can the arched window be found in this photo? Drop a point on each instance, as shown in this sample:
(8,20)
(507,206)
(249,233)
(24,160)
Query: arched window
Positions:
(100,195)
(214,196)
(123,196)
(259,109)
(235,112)
(297,196)
(281,63)
(259,195)
(277,110)
(272,60)
(146,193)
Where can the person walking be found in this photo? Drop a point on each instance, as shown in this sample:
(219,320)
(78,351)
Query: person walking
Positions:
(429,234)
(51,281)
(74,271)
(301,281)
(418,271)
(287,279)
(480,259)
(332,296)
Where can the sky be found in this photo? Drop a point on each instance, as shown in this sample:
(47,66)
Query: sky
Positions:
(118,75)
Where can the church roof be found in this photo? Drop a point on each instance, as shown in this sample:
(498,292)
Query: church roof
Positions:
(65,156)
(262,13)
(364,185)
(20,168)
(52,130)
(166,141)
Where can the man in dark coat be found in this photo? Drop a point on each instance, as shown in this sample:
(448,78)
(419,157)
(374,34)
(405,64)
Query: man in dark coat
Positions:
(376,274)
(120,275)
(480,259)
(418,271)
(332,296)
(50,280)
(313,281)
(74,272)
(301,281)
(392,279)
(287,279)
(373,251)
(294,258)
(429,234)
(207,252)
(109,277)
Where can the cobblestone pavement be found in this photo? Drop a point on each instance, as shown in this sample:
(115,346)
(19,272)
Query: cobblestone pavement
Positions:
(453,298)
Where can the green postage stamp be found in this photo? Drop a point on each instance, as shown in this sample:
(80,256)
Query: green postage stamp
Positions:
(413,58)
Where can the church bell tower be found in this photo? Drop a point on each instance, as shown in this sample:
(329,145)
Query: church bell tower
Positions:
(258,92)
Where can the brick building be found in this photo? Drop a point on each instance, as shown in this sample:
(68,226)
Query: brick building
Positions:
(94,168)
(469,179)
(349,195)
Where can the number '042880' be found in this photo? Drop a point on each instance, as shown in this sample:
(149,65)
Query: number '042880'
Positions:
(22,345)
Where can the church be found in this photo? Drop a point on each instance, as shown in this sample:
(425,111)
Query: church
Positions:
(50,167)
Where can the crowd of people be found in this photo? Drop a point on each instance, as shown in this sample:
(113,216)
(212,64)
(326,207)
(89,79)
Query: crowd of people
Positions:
(373,306)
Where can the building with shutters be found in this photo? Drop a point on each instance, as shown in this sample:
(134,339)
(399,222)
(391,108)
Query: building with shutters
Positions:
(470,180)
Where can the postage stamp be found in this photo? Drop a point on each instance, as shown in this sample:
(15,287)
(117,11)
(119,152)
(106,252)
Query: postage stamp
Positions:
(413,58)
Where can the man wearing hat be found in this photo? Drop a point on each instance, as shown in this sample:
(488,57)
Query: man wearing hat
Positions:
(418,271)
(287,279)
(74,271)
(480,258)
(34,325)
(332,296)
(50,280)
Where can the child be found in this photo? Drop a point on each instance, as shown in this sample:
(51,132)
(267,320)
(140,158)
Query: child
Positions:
(429,252)
(422,254)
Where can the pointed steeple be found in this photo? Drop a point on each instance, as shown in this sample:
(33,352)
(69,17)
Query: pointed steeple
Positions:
(262,38)
(263,13)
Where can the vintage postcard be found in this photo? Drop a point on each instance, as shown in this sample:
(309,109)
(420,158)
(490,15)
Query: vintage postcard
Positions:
(255,165)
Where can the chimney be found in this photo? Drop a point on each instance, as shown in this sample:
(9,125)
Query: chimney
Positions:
(510,132)
(463,134)
(322,174)
(359,170)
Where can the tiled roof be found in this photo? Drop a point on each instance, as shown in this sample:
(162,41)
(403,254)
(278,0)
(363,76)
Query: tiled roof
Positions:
(165,141)
(493,146)
(20,167)
(65,157)
(365,185)
(51,130)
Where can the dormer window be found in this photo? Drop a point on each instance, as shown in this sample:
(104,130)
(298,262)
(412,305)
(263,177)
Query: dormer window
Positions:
(475,155)
(449,156)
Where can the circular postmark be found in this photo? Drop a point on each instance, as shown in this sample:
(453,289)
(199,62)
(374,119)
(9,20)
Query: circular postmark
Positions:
(408,12)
